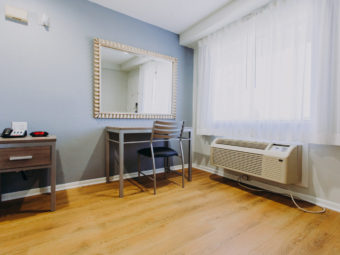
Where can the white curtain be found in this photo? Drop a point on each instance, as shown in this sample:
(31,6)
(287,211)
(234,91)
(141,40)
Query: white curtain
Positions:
(273,75)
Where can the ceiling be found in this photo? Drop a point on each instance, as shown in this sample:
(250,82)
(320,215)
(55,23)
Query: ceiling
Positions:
(123,61)
(116,57)
(173,15)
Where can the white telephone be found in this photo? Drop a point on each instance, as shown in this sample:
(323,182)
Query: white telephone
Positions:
(19,129)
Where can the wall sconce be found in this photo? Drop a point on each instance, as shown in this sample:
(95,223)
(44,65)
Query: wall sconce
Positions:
(45,21)
(16,14)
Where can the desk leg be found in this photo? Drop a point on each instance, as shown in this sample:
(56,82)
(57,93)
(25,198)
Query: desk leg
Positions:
(121,164)
(107,156)
(53,179)
(189,158)
(0,188)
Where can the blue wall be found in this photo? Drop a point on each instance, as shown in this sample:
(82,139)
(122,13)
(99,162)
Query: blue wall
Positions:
(46,79)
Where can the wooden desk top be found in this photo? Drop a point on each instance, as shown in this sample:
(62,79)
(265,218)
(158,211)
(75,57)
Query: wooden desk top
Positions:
(28,139)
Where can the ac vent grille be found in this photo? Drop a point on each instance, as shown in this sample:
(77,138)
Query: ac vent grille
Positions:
(244,144)
(238,160)
(272,168)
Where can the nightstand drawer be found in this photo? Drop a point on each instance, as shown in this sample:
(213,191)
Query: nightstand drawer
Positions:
(21,157)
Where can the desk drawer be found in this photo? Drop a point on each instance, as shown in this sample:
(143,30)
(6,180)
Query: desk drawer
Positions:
(25,157)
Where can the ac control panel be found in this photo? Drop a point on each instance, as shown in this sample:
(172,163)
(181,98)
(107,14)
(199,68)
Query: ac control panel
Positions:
(279,147)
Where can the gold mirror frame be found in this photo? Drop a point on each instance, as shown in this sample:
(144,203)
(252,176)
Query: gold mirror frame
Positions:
(97,113)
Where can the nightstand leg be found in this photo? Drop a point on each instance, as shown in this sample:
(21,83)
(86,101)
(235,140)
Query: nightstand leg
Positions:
(53,179)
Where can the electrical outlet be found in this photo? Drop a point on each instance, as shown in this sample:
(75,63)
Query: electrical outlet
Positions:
(245,177)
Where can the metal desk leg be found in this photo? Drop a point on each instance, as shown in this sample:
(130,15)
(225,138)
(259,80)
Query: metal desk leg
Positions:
(107,156)
(0,187)
(189,158)
(53,179)
(121,164)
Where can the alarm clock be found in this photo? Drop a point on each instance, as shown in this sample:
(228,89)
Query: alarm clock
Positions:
(39,134)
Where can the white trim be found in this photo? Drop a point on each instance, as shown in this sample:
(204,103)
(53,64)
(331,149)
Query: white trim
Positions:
(312,199)
(228,14)
(77,184)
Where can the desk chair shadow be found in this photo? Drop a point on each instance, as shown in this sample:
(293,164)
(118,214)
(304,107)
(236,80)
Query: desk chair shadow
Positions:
(165,131)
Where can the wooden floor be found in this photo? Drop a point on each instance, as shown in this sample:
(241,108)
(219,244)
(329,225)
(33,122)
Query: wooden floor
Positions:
(211,215)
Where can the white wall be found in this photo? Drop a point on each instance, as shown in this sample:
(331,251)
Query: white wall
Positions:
(132,90)
(113,90)
(323,164)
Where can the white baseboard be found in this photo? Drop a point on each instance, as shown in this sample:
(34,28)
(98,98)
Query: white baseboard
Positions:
(314,200)
(37,191)
(77,184)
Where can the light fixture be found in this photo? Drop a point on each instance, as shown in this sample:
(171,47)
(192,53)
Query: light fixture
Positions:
(16,14)
(45,21)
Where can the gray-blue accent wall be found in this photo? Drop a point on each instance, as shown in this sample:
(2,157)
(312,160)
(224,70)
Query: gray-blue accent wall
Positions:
(46,79)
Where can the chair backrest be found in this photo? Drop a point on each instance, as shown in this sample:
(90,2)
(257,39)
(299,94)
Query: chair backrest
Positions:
(167,129)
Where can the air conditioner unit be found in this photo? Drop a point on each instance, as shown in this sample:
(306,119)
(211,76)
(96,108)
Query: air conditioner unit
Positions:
(276,162)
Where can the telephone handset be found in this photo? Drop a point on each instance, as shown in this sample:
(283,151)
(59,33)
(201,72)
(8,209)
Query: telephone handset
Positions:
(7,132)
(10,133)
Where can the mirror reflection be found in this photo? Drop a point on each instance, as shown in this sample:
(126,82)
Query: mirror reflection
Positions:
(135,83)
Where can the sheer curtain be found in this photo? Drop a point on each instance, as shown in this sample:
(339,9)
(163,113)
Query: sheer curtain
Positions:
(273,75)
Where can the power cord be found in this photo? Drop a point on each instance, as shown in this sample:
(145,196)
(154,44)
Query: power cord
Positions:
(247,187)
(323,209)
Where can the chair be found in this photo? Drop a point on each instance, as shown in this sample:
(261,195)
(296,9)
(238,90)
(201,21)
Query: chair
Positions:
(164,130)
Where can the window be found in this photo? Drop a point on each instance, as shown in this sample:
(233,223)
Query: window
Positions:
(272,75)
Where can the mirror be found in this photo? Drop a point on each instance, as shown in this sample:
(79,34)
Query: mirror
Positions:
(133,83)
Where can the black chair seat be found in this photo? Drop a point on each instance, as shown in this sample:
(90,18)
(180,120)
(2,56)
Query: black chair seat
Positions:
(158,152)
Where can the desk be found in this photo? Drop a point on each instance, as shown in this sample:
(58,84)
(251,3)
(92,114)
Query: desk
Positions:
(29,153)
(121,131)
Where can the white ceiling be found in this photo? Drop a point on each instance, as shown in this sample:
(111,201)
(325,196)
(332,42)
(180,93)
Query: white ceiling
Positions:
(116,57)
(173,15)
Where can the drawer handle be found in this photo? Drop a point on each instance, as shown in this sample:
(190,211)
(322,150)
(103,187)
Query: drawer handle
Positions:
(20,158)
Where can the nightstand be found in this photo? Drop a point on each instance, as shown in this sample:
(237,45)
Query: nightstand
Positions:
(29,153)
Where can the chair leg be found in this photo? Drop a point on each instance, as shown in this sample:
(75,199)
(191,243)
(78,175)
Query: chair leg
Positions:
(165,166)
(168,162)
(138,165)
(154,171)
(182,159)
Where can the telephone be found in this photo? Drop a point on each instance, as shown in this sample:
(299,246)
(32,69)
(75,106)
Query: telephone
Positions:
(10,133)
